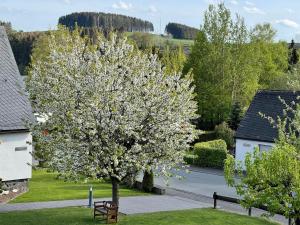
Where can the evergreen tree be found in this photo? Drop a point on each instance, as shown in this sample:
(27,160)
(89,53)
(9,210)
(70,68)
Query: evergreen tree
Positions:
(293,54)
(235,116)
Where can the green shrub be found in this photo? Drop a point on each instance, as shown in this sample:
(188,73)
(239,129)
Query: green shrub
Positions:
(223,131)
(211,154)
(191,159)
(206,136)
(219,143)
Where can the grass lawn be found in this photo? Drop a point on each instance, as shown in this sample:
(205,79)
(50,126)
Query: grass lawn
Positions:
(83,216)
(45,187)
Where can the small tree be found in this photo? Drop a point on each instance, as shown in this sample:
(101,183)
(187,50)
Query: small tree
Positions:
(293,54)
(235,116)
(110,109)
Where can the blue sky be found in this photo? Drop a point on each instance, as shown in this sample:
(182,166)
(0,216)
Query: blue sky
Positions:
(32,15)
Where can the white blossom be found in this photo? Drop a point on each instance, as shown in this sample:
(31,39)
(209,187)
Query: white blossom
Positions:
(111,109)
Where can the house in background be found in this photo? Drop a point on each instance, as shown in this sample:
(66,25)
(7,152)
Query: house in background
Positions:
(255,131)
(15,110)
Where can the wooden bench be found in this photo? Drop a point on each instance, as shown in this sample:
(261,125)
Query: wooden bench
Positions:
(107,210)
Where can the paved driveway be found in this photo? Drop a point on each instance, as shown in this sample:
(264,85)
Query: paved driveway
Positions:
(199,181)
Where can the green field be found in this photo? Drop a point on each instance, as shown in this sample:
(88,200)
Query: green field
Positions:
(83,216)
(161,40)
(45,186)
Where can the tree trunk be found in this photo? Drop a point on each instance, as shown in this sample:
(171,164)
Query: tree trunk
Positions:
(297,221)
(115,190)
(148,181)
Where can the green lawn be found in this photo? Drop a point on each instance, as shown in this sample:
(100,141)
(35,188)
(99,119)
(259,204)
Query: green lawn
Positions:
(83,216)
(45,187)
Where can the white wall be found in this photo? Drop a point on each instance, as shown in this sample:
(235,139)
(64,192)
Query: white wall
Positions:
(244,146)
(15,165)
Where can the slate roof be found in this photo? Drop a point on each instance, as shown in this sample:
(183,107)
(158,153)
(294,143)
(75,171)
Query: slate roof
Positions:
(253,126)
(14,104)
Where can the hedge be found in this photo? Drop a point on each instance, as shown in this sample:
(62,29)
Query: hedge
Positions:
(190,159)
(216,144)
(208,154)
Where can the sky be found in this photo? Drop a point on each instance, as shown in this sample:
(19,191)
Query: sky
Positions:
(37,15)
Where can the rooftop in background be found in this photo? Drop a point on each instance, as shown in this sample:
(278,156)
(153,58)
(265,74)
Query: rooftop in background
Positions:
(15,107)
(253,126)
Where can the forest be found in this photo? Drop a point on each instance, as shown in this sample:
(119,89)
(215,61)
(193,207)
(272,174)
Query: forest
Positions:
(181,31)
(106,21)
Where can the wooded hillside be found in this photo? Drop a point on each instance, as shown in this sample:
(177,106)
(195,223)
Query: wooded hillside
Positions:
(181,31)
(106,21)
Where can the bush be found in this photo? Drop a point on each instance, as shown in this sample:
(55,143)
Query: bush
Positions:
(211,154)
(223,131)
(207,136)
(191,159)
(215,144)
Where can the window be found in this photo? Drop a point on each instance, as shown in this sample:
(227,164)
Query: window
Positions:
(17,149)
(264,148)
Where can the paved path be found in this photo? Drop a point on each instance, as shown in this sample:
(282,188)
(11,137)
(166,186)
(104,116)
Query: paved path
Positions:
(128,205)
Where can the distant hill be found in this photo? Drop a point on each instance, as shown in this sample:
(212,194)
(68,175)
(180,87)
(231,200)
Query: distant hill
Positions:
(106,21)
(181,31)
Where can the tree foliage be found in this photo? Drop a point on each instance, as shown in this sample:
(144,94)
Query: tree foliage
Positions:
(109,109)
(181,31)
(271,57)
(173,59)
(289,81)
(224,132)
(21,44)
(223,65)
(272,179)
(235,116)
(293,54)
(106,21)
(230,63)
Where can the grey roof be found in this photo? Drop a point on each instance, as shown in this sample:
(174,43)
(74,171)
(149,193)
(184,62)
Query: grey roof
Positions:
(253,126)
(15,108)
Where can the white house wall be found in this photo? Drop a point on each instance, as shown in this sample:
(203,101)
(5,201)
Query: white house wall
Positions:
(15,163)
(245,146)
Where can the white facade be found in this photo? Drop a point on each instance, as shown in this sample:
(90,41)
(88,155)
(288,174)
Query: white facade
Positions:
(15,156)
(243,146)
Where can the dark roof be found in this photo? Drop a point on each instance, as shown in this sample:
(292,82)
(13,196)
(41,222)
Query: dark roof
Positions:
(15,108)
(253,126)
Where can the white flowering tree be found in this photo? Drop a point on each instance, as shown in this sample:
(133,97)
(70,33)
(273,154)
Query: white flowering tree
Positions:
(110,109)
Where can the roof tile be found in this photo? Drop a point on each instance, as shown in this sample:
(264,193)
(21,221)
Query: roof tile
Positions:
(15,108)
(253,126)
